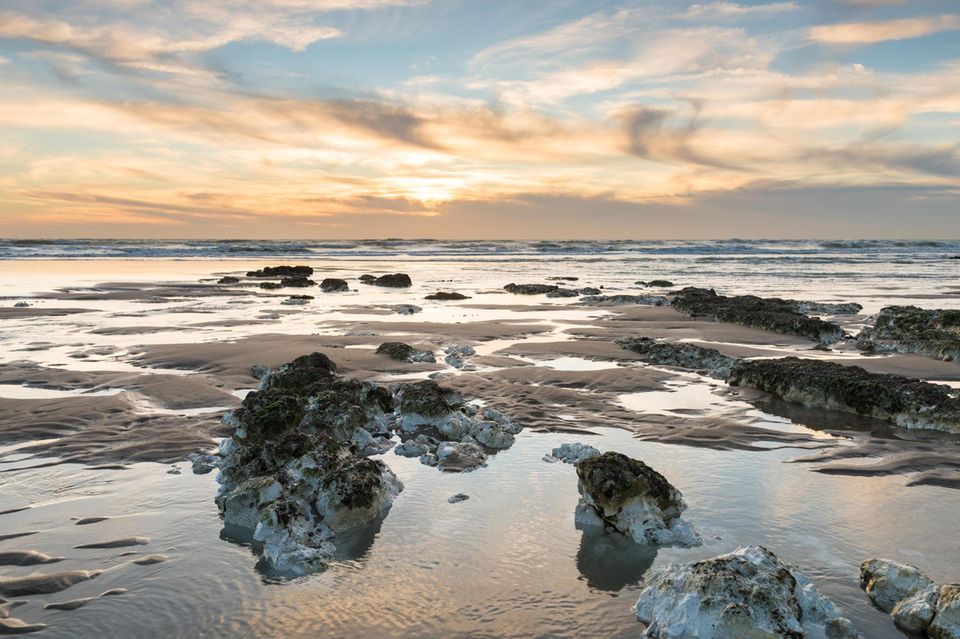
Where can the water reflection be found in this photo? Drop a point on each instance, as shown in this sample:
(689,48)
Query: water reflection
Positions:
(611,561)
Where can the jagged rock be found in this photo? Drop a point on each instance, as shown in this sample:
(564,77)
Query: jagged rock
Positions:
(406,309)
(443,296)
(228,279)
(564,292)
(297,282)
(394,280)
(917,603)
(634,499)
(405,353)
(656,283)
(646,300)
(747,594)
(271,285)
(907,402)
(572,453)
(772,314)
(334,285)
(530,289)
(909,329)
(709,361)
(282,271)
(826,308)
(292,473)
(456,354)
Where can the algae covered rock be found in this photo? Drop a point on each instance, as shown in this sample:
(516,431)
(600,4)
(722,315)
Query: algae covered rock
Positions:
(629,496)
(746,594)
(907,402)
(772,314)
(917,603)
(909,329)
(690,356)
(405,353)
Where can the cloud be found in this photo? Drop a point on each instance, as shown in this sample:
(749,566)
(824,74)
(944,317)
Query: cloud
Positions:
(735,10)
(873,32)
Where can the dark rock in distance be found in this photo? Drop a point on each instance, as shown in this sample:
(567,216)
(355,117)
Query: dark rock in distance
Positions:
(530,289)
(334,285)
(271,285)
(282,271)
(393,280)
(444,296)
(228,279)
(297,282)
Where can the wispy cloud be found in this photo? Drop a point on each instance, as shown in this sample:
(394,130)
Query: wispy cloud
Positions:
(872,32)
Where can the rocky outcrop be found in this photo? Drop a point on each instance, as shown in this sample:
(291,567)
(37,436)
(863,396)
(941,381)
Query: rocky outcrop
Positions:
(917,604)
(282,271)
(297,282)
(646,300)
(572,453)
(772,314)
(530,289)
(445,296)
(907,402)
(707,361)
(293,473)
(334,285)
(909,329)
(393,280)
(656,283)
(749,593)
(634,499)
(228,279)
(405,353)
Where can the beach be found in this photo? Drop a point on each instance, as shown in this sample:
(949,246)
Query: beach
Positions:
(117,368)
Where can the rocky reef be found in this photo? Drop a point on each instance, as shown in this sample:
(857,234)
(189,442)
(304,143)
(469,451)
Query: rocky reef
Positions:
(282,271)
(917,604)
(293,472)
(707,361)
(632,498)
(909,329)
(530,289)
(748,593)
(908,402)
(772,314)
(405,353)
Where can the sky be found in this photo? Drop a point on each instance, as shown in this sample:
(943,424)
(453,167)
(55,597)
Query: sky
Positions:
(480,119)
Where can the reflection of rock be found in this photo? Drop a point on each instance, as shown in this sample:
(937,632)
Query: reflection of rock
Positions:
(612,561)
(572,453)
(908,402)
(405,353)
(633,498)
(707,360)
(916,603)
(909,329)
(746,594)
(772,314)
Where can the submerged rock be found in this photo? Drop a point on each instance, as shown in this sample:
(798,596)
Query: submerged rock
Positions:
(916,603)
(405,353)
(393,280)
(282,271)
(772,314)
(656,283)
(634,499)
(572,453)
(228,279)
(909,329)
(334,285)
(444,296)
(747,594)
(530,289)
(907,402)
(709,361)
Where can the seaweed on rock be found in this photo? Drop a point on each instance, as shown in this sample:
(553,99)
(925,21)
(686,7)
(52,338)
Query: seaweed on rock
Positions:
(909,329)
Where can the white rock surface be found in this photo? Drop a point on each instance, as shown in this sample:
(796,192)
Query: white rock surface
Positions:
(916,603)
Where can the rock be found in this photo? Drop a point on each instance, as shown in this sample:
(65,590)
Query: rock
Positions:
(747,594)
(406,309)
(772,314)
(589,290)
(259,371)
(656,284)
(442,296)
(456,354)
(203,463)
(21,305)
(394,280)
(292,473)
(414,447)
(632,498)
(297,282)
(334,285)
(909,329)
(174,470)
(297,300)
(405,353)
(460,456)
(573,453)
(646,300)
(826,308)
(709,361)
(907,402)
(564,292)
(530,289)
(271,285)
(456,499)
(282,271)
(228,279)
(916,603)
(367,278)
(563,278)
